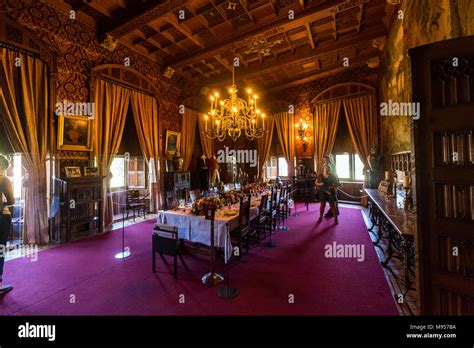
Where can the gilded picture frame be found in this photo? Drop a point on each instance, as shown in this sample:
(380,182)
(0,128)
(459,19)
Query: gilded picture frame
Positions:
(173,142)
(73,172)
(74,133)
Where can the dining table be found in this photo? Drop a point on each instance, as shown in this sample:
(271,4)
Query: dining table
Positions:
(197,229)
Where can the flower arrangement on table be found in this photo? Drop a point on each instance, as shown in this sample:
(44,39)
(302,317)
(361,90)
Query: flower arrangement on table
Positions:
(231,197)
(200,204)
(255,188)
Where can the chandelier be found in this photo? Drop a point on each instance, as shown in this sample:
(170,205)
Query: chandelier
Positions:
(234,116)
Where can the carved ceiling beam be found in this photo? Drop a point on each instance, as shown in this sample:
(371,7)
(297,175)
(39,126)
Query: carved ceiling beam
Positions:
(332,69)
(346,41)
(301,17)
(122,28)
(275,6)
(360,14)
(310,35)
(223,62)
(222,13)
(334,27)
(287,39)
(184,29)
(245,5)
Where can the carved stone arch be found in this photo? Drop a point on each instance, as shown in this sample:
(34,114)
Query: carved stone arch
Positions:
(124,76)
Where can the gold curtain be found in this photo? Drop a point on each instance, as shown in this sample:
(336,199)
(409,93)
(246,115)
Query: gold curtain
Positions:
(326,118)
(145,114)
(206,143)
(360,114)
(111,103)
(284,123)
(24,108)
(188,136)
(264,145)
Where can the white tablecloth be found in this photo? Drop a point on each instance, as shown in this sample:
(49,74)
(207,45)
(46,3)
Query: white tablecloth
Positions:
(198,229)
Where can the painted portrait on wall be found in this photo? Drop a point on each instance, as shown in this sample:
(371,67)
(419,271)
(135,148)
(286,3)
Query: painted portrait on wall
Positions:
(172,145)
(74,133)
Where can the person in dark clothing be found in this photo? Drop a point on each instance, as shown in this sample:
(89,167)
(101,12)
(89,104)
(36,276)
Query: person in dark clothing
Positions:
(327,184)
(6,199)
(328,160)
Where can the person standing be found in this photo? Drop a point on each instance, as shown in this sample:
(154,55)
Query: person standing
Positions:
(6,199)
(327,184)
(329,161)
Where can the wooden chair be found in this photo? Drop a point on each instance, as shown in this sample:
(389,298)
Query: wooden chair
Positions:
(165,241)
(272,211)
(261,217)
(134,203)
(242,232)
(283,203)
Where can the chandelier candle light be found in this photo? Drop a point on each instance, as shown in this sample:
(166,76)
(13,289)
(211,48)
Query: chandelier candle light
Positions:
(234,115)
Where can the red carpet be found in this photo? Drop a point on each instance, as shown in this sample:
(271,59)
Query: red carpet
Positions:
(83,278)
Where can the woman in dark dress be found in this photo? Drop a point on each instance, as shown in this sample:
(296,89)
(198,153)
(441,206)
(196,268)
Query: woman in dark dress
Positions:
(327,184)
(6,200)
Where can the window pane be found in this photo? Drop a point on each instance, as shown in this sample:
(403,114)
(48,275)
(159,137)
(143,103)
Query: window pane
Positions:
(118,171)
(343,168)
(358,168)
(282,166)
(151,167)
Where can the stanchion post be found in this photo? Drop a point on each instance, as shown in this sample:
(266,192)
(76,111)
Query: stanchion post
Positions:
(212,278)
(125,252)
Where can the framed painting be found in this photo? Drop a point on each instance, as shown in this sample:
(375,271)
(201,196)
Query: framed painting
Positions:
(75,133)
(73,172)
(91,171)
(173,142)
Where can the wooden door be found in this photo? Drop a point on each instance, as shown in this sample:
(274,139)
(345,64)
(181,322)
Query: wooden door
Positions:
(443,83)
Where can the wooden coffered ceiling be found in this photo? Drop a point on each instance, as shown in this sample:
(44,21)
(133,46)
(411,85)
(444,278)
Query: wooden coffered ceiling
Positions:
(279,43)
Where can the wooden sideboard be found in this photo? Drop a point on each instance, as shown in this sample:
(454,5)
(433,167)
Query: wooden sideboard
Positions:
(80,204)
(398,226)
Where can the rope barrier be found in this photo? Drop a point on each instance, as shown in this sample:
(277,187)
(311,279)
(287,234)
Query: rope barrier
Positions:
(291,193)
(351,196)
(347,194)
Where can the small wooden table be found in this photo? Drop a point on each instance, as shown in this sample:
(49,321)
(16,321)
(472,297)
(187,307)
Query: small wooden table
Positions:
(398,226)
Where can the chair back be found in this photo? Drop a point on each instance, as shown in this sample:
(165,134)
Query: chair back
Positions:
(283,194)
(133,196)
(165,239)
(244,211)
(263,205)
(274,202)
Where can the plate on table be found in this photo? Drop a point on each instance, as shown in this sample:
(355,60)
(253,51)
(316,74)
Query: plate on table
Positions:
(229,212)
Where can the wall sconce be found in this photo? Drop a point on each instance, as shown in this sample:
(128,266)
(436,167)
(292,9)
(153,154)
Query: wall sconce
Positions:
(302,127)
